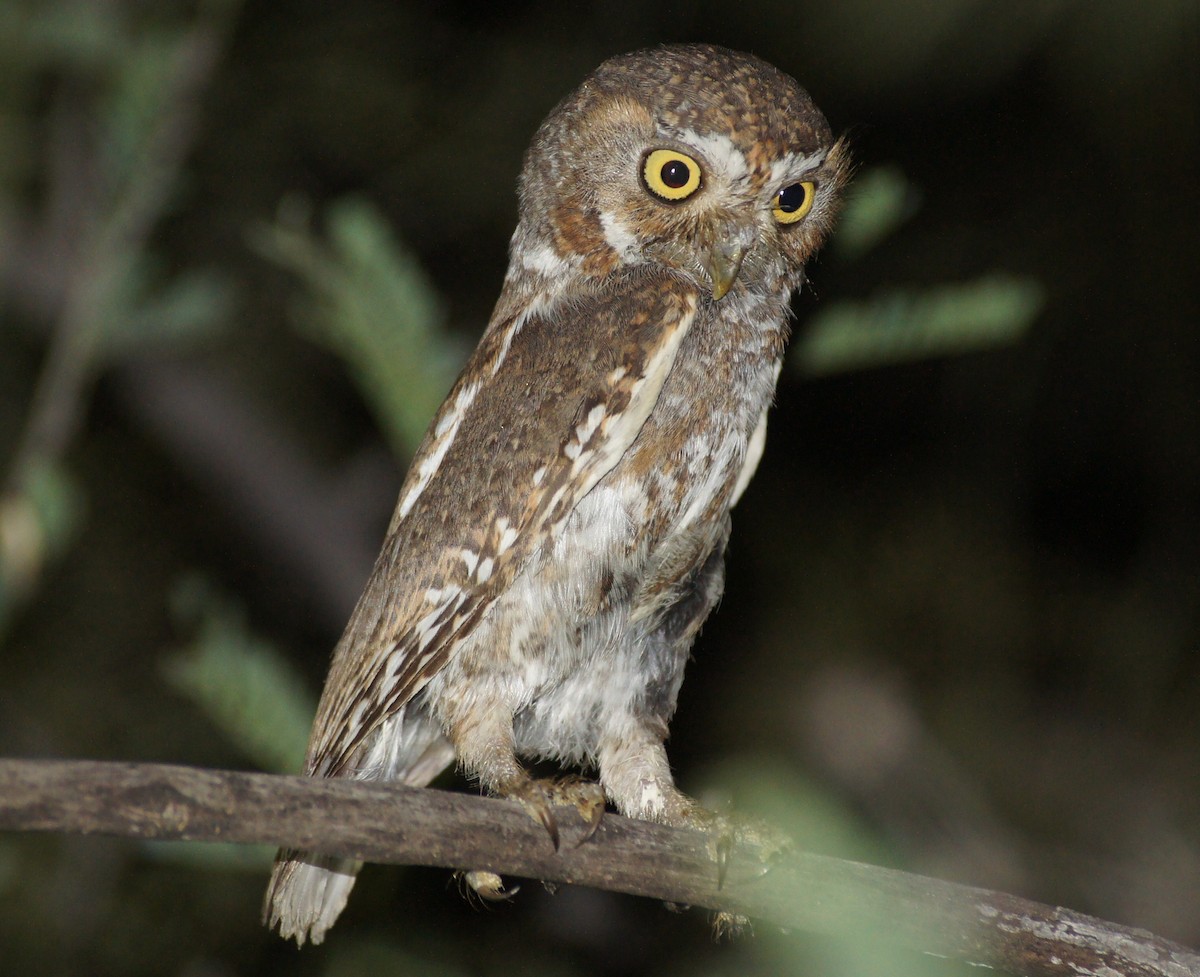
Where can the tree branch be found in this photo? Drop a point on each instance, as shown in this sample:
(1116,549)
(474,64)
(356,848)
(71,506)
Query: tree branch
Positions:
(430,827)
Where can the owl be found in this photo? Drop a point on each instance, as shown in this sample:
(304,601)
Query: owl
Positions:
(560,536)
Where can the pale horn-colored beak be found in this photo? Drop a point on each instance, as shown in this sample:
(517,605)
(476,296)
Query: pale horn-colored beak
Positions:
(724,263)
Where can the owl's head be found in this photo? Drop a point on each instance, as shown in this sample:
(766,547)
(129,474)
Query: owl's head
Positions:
(708,161)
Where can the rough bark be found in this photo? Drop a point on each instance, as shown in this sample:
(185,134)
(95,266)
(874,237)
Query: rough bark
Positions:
(431,827)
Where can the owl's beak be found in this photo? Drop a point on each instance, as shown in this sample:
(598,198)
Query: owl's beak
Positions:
(724,263)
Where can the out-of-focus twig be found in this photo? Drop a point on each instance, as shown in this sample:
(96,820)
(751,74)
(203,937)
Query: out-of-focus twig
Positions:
(108,186)
(319,532)
(117,228)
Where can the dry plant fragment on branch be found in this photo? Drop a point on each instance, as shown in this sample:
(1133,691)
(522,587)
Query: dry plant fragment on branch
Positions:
(403,825)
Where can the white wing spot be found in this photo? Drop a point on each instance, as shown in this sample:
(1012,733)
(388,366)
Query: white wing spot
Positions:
(443,435)
(573,450)
(539,476)
(587,427)
(444,424)
(507,538)
(470,558)
(425,629)
(642,397)
(395,663)
(484,572)
(514,327)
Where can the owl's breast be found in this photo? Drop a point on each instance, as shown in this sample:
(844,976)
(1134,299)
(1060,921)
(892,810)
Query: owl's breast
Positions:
(693,450)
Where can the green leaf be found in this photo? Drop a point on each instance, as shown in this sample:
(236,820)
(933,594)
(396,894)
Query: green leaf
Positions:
(374,306)
(78,34)
(246,688)
(909,325)
(38,522)
(814,818)
(140,93)
(879,201)
(184,313)
(58,504)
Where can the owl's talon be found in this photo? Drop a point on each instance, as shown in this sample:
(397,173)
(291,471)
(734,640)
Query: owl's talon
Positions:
(726,832)
(537,805)
(729,926)
(537,798)
(724,848)
(540,797)
(586,796)
(488,886)
(591,821)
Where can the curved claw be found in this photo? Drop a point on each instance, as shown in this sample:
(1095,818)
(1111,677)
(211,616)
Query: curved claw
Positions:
(533,797)
(729,926)
(724,846)
(488,885)
(540,797)
(586,796)
(549,822)
(725,832)
(592,821)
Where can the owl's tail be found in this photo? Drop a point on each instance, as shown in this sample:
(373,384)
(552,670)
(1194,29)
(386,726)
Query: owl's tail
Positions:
(308,890)
(307,894)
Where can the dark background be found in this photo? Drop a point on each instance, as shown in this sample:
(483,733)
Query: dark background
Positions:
(960,629)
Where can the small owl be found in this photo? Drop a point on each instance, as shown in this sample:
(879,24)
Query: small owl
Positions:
(560,536)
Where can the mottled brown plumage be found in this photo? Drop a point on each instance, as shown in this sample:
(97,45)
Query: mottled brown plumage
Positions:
(559,538)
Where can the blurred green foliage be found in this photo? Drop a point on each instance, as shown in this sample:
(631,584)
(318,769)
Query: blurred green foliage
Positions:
(367,299)
(251,692)
(122,125)
(38,523)
(878,201)
(914,324)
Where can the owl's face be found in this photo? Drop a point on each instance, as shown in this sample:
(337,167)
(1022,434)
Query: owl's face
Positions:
(710,162)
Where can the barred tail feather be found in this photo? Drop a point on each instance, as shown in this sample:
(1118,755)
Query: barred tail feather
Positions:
(308,891)
(307,894)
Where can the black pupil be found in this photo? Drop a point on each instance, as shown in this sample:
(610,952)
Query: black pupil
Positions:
(675,174)
(791,199)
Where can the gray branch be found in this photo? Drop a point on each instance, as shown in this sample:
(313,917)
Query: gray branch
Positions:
(389,823)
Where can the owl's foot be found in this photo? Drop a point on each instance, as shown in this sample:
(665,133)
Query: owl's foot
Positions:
(730,926)
(540,797)
(586,796)
(725,831)
(487,885)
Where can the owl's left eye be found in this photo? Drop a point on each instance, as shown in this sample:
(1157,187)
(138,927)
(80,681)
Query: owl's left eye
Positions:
(670,175)
(794,202)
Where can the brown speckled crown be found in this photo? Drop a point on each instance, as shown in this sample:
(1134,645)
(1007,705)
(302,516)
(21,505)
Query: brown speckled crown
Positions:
(713,89)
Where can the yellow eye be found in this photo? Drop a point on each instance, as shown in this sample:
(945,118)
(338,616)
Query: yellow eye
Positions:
(670,175)
(794,202)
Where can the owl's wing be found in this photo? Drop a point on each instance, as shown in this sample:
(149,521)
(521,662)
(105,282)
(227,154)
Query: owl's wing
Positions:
(550,401)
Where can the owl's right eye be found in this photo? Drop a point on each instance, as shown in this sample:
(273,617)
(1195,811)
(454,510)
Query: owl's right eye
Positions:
(670,175)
